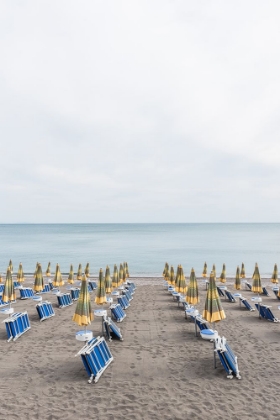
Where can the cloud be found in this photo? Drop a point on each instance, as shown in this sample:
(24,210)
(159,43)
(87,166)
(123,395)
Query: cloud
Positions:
(139,111)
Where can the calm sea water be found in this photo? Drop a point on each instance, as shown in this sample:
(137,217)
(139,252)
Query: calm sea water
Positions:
(146,247)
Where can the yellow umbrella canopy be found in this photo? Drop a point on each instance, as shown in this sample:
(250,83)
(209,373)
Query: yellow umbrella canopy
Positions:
(257,285)
(274,277)
(71,275)
(20,274)
(87,270)
(48,270)
(242,272)
(223,274)
(108,280)
(214,271)
(100,297)
(121,273)
(8,294)
(57,281)
(204,272)
(11,266)
(83,313)
(181,285)
(39,280)
(80,272)
(1,278)
(237,283)
(172,276)
(213,311)
(192,292)
(115,281)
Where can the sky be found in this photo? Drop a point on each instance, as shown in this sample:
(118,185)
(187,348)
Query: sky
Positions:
(139,111)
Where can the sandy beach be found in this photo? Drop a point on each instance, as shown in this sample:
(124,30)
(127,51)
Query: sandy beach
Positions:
(160,370)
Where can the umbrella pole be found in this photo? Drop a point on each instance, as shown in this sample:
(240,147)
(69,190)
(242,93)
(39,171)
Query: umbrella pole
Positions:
(215,365)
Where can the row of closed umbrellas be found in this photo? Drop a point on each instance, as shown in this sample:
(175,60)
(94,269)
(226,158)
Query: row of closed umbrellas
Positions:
(123,273)
(83,314)
(213,311)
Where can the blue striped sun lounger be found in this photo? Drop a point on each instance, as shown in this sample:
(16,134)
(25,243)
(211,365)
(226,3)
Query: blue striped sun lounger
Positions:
(266,313)
(111,329)
(275,291)
(246,304)
(265,292)
(96,357)
(230,296)
(117,312)
(221,292)
(16,325)
(123,301)
(45,310)
(227,357)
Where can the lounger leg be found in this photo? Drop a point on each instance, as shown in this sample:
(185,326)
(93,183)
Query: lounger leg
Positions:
(90,379)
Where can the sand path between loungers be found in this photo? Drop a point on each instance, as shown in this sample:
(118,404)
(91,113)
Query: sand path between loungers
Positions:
(160,370)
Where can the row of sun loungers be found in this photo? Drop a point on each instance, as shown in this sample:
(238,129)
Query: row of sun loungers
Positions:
(96,355)
(221,347)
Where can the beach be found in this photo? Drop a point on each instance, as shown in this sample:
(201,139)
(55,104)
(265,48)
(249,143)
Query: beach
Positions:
(160,369)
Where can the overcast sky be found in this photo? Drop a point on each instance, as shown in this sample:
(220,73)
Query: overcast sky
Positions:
(139,111)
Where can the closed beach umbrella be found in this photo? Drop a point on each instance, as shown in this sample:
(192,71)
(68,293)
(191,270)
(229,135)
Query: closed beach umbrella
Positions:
(164,270)
(167,275)
(36,269)
(48,270)
(83,313)
(39,280)
(204,272)
(100,297)
(177,276)
(11,266)
(126,270)
(237,283)
(115,281)
(213,311)
(181,286)
(274,277)
(71,275)
(223,274)
(1,278)
(121,274)
(80,272)
(20,274)
(124,275)
(8,294)
(57,281)
(172,276)
(257,285)
(108,280)
(87,270)
(242,272)
(214,271)
(192,292)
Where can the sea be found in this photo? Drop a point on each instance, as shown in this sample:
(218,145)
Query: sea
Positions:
(145,247)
